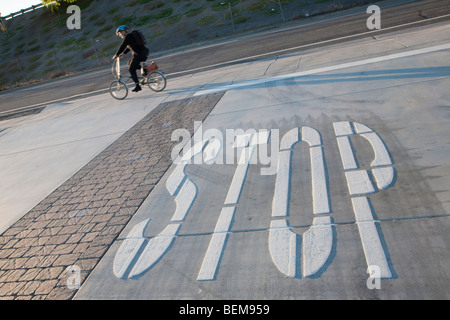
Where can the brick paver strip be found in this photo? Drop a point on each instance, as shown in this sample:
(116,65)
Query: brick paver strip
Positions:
(78,222)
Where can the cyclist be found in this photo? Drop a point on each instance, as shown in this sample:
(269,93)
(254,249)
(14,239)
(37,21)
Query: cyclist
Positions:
(135,43)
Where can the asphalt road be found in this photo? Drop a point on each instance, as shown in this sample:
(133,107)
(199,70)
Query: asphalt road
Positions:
(317,31)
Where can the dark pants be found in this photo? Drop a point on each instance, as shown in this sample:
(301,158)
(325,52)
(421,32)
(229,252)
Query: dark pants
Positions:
(135,64)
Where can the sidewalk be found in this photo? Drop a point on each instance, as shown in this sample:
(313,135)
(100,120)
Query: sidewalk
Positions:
(79,175)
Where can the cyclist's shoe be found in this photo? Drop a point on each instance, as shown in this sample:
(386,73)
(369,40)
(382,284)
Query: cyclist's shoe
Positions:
(137,89)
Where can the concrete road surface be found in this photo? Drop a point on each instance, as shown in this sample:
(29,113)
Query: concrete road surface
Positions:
(340,171)
(314,175)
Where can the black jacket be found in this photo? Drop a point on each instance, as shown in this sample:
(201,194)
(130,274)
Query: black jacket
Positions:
(130,44)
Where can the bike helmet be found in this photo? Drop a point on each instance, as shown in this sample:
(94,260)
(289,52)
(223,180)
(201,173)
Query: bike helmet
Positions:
(121,28)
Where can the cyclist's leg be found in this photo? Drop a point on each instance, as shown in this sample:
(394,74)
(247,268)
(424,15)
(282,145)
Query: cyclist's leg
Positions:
(142,60)
(134,66)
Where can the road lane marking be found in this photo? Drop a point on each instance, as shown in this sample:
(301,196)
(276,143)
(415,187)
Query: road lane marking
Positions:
(280,202)
(373,249)
(186,191)
(216,246)
(346,152)
(318,239)
(319,181)
(237,183)
(248,143)
(154,250)
(325,69)
(129,249)
(285,246)
(317,245)
(289,139)
(384,177)
(184,200)
(359,183)
(382,157)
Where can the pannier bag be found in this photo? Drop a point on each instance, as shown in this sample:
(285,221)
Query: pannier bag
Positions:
(151,67)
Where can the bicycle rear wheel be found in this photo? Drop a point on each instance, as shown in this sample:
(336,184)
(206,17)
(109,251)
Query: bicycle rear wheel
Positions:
(156,81)
(118,89)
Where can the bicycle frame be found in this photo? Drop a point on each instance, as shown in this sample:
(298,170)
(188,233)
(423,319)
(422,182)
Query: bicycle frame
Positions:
(116,69)
(117,73)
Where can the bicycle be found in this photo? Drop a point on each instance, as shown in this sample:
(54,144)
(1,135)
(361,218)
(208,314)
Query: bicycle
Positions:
(155,80)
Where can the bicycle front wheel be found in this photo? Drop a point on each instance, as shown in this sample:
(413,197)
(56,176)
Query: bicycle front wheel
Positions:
(156,81)
(118,89)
